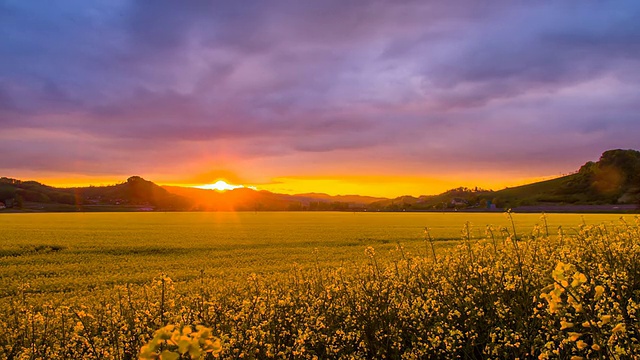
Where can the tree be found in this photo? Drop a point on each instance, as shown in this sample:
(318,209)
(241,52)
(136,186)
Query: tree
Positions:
(19,201)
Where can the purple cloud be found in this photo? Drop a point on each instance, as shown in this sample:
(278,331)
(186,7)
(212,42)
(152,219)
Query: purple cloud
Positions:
(498,85)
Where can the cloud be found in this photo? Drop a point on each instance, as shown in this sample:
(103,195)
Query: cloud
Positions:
(506,59)
(398,85)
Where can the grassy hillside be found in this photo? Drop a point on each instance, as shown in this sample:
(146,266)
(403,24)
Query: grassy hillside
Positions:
(613,179)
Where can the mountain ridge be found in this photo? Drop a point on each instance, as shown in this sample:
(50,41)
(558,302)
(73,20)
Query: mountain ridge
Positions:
(613,179)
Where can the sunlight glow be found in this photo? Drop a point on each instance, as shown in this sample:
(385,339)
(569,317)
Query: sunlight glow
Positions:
(222,185)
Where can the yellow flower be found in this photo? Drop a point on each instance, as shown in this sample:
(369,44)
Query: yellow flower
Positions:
(565,325)
(573,336)
(620,350)
(581,344)
(605,319)
(595,347)
(599,291)
(370,251)
(619,328)
(578,279)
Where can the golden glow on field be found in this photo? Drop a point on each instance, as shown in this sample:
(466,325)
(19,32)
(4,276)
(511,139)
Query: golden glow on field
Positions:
(222,185)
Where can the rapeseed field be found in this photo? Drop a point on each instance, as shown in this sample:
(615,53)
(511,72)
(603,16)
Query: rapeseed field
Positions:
(324,286)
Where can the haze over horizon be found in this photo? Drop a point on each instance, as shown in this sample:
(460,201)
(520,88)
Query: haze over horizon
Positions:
(383,98)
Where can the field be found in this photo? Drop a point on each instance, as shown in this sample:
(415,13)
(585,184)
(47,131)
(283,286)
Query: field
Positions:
(80,251)
(255,279)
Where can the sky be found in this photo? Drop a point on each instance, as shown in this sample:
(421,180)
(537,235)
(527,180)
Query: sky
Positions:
(382,98)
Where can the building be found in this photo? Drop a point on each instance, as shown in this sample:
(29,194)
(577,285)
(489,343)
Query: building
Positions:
(458,202)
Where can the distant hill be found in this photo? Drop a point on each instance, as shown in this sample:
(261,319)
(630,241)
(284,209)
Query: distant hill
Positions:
(138,194)
(353,199)
(613,180)
(241,199)
(14,193)
(458,198)
(135,191)
(134,194)
(245,199)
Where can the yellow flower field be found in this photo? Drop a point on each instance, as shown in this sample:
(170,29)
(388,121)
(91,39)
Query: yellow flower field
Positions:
(327,285)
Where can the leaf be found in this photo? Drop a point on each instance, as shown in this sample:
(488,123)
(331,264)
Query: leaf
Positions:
(169,355)
(194,351)
(183,346)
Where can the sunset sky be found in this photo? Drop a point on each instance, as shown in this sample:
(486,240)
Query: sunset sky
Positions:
(372,97)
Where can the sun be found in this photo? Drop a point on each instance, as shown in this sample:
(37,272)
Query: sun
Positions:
(220,185)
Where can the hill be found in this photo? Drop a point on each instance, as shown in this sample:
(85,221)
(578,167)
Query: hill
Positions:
(15,193)
(612,180)
(459,198)
(352,199)
(241,199)
(136,191)
(138,194)
(134,194)
(244,199)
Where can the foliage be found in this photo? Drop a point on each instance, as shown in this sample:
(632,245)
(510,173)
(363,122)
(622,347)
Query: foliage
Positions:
(542,296)
(34,192)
